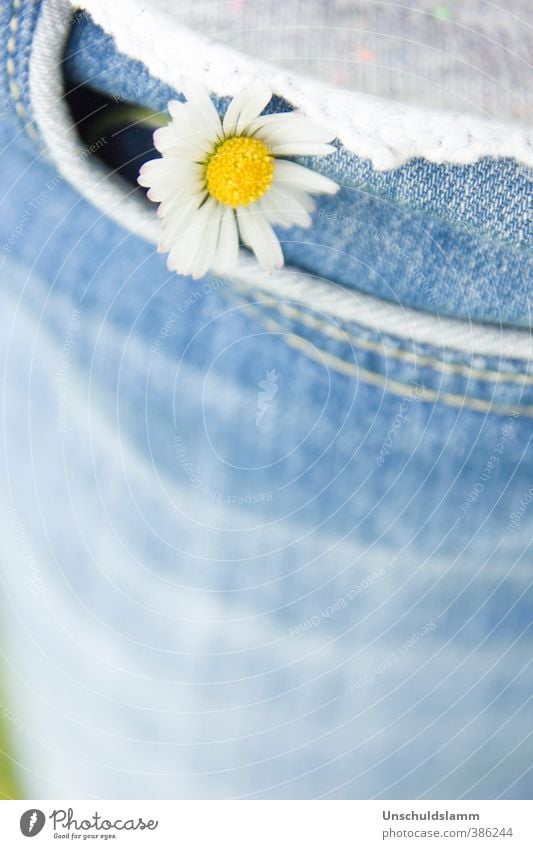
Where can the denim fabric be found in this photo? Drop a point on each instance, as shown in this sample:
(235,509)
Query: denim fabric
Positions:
(417,235)
(248,550)
(17,22)
(490,198)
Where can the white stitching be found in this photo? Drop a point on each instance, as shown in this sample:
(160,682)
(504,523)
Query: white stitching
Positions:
(14,87)
(395,387)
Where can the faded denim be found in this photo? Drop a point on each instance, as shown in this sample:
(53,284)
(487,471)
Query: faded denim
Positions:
(242,556)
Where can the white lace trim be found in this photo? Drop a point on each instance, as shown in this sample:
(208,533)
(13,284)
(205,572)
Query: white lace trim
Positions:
(384,132)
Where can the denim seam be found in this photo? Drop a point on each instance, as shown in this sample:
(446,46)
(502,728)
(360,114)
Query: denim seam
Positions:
(375,378)
(382,348)
(94,182)
(383,317)
(14,87)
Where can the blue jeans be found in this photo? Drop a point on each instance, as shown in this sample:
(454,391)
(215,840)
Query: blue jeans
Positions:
(251,549)
(406,235)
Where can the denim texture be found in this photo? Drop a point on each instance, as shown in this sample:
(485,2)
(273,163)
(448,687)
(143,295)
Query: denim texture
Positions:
(17,22)
(241,555)
(450,239)
(491,198)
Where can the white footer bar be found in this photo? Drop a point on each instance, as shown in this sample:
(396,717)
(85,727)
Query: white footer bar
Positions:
(268,824)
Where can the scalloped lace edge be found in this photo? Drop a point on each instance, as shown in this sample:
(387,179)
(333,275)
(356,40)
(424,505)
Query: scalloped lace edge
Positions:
(385,132)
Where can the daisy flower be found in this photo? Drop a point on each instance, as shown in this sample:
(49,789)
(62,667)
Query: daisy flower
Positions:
(219,179)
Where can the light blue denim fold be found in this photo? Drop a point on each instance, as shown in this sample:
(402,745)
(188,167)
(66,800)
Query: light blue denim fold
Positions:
(250,550)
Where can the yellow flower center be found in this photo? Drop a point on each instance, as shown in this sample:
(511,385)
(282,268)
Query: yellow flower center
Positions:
(239,171)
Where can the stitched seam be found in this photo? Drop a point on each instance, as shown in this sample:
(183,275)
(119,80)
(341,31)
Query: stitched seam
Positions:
(480,405)
(14,88)
(382,348)
(407,356)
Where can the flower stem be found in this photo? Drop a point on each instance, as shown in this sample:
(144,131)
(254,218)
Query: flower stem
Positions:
(125,115)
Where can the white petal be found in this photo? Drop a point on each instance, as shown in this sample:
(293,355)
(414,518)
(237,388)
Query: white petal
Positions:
(174,224)
(167,210)
(170,171)
(176,109)
(287,206)
(258,234)
(165,138)
(303,178)
(194,135)
(166,193)
(210,239)
(228,243)
(293,195)
(171,184)
(286,128)
(152,170)
(244,108)
(196,153)
(186,138)
(188,254)
(275,216)
(190,148)
(198,99)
